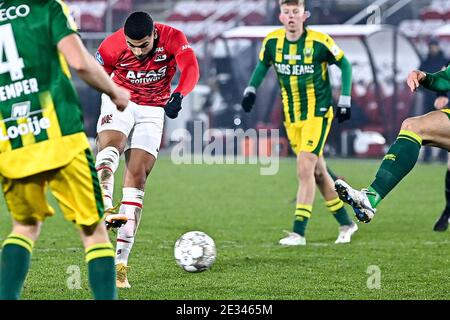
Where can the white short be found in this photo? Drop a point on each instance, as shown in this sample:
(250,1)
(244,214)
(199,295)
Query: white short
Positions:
(143,125)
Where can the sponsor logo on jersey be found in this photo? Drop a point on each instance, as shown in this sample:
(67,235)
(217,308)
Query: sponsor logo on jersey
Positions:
(161,57)
(13,12)
(186,46)
(107,119)
(33,124)
(99,58)
(159,49)
(294,70)
(20,110)
(141,77)
(292,57)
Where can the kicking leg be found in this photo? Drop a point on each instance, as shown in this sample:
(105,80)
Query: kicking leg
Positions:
(111,145)
(431,129)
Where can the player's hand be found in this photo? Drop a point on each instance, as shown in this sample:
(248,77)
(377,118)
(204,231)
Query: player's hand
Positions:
(414,79)
(249,99)
(120,97)
(174,105)
(441,103)
(343,112)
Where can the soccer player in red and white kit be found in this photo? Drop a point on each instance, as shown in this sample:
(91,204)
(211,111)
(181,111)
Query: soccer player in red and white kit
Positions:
(141,57)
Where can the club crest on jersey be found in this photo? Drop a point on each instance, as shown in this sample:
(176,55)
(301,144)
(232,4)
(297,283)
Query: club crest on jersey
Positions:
(308,52)
(99,58)
(140,77)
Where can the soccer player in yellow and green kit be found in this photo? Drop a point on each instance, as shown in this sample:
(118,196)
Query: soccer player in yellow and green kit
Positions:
(301,57)
(432,129)
(42,140)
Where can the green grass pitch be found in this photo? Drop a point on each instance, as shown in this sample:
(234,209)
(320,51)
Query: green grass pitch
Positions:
(245,213)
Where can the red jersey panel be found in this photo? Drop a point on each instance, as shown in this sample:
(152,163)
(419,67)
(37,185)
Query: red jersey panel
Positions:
(148,80)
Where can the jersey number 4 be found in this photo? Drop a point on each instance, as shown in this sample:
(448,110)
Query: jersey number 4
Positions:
(13,63)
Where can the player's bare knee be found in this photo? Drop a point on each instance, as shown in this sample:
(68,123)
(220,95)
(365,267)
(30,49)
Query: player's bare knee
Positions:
(93,234)
(109,158)
(415,124)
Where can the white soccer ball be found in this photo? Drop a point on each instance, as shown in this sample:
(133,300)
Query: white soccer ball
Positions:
(195,251)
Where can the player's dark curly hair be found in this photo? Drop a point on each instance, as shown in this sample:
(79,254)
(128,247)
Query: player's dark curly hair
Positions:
(138,25)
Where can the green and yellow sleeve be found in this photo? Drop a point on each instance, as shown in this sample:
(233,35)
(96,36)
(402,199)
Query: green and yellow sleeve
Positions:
(346,76)
(265,61)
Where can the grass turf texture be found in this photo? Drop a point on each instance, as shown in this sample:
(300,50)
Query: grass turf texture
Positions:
(245,214)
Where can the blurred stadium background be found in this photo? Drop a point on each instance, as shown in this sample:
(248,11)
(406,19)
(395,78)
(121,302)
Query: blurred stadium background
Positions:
(245,211)
(383,39)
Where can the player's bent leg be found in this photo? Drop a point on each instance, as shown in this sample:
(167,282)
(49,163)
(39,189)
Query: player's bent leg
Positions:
(335,205)
(111,145)
(433,128)
(113,129)
(16,256)
(430,129)
(99,254)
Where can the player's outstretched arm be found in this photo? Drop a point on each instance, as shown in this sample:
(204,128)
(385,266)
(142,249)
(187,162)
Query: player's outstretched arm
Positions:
(89,71)
(439,81)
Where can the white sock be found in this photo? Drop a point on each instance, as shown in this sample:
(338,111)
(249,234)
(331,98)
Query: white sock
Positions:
(131,206)
(106,164)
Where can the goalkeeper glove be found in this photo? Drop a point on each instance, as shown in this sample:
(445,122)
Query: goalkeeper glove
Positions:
(249,99)
(343,112)
(174,105)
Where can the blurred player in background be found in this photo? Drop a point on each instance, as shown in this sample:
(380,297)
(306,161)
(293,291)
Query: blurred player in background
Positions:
(142,57)
(301,57)
(40,115)
(432,129)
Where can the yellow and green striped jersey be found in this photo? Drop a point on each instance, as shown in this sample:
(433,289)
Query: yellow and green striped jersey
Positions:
(302,70)
(41,123)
